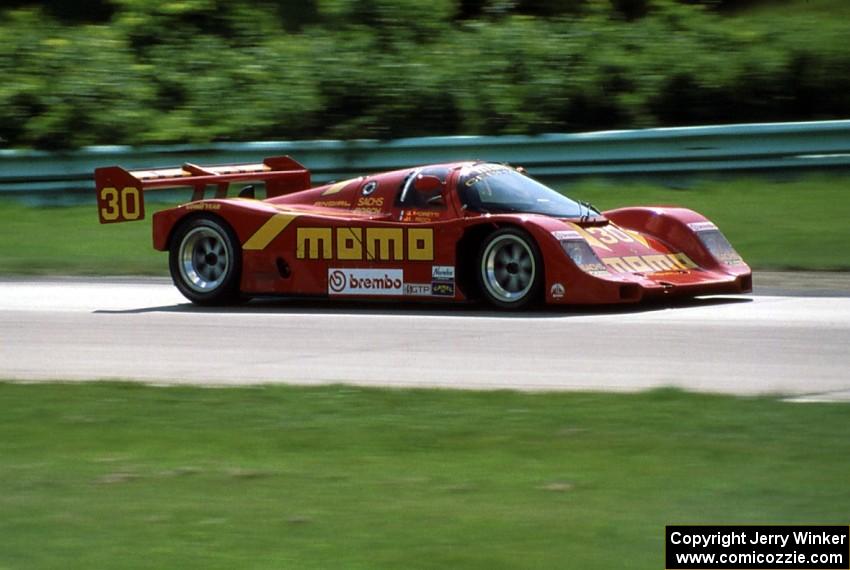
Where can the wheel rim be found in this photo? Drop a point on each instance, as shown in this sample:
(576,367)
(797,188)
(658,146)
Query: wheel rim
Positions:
(204,260)
(508,268)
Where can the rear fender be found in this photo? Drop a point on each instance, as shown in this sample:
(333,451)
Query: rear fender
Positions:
(244,216)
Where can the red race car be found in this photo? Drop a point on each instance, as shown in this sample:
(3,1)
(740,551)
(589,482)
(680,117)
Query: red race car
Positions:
(452,232)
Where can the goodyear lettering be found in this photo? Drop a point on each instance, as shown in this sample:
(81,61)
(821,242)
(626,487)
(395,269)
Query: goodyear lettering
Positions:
(649,263)
(203,206)
(372,244)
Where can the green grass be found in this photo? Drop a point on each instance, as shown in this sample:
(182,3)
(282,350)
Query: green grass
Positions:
(801,224)
(124,476)
(70,241)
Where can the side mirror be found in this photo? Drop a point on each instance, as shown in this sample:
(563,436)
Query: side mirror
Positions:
(427,183)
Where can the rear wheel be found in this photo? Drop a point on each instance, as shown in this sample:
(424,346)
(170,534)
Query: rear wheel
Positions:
(205,261)
(510,271)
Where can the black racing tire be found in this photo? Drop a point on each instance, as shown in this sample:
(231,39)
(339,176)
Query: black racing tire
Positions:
(205,260)
(509,269)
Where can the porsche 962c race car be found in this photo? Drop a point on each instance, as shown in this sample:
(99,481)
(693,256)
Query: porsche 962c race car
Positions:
(452,232)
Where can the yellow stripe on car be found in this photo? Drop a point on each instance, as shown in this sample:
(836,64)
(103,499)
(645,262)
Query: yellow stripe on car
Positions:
(268,231)
(339,186)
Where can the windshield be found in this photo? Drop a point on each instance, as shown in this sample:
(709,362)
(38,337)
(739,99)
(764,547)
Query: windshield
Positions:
(497,188)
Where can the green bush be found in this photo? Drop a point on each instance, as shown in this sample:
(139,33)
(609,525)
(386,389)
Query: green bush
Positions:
(138,72)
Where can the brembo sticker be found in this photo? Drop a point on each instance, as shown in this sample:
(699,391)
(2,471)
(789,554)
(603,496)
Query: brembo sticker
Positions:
(365,281)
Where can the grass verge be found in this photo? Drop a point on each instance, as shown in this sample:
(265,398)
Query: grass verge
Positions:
(798,224)
(120,476)
(775,225)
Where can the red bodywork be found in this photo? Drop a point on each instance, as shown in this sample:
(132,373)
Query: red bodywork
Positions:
(354,239)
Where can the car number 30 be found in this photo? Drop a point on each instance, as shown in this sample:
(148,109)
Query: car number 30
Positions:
(125,204)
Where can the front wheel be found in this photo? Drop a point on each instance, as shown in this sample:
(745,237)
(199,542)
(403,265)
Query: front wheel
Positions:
(205,261)
(510,271)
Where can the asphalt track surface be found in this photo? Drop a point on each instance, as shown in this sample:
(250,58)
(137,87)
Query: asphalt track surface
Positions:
(791,342)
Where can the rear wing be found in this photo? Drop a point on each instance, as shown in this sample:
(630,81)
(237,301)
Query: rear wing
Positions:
(120,192)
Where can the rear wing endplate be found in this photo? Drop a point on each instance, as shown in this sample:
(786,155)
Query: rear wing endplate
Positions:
(120,192)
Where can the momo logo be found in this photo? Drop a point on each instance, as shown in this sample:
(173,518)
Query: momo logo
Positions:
(365,282)
(365,243)
(650,263)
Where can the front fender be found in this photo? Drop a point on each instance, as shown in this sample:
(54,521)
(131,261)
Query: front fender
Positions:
(679,228)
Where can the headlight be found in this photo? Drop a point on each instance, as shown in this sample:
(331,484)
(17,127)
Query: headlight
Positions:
(580,252)
(717,244)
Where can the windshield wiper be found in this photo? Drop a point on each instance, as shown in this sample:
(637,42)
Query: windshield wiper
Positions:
(588,209)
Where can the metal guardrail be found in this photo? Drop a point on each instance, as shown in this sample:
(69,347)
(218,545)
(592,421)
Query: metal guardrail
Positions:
(663,151)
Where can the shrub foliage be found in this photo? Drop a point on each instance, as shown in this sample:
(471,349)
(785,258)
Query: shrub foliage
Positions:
(139,72)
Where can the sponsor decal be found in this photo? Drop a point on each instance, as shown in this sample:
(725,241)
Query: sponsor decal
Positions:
(370,202)
(557,290)
(595,269)
(565,235)
(333,203)
(203,206)
(650,263)
(702,226)
(420,216)
(369,188)
(729,258)
(371,244)
(443,289)
(369,205)
(417,289)
(485,170)
(443,273)
(365,281)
